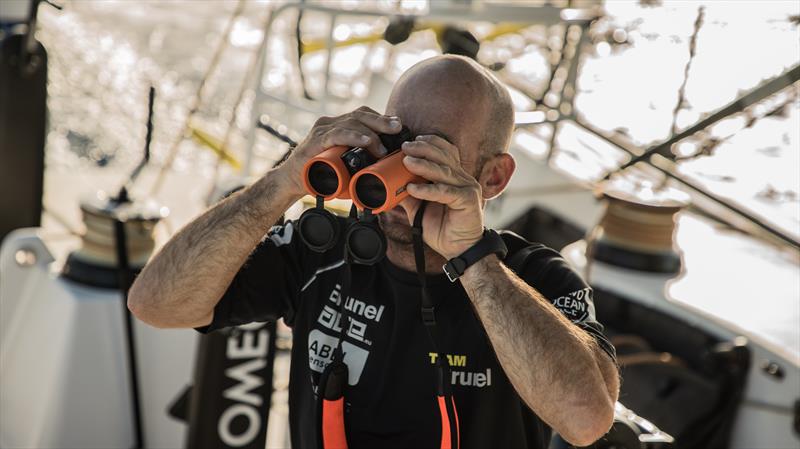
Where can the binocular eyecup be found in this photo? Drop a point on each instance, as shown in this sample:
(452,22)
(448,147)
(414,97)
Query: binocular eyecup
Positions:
(318,228)
(364,241)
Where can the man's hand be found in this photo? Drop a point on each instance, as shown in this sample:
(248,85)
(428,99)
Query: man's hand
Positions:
(359,128)
(454,220)
(575,384)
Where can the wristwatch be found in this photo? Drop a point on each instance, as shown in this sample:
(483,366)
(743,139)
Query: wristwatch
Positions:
(490,243)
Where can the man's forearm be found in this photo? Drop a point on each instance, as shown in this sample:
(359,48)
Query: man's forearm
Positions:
(181,285)
(183,282)
(557,369)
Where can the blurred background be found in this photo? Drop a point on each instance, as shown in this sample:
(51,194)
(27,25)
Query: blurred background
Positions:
(658,146)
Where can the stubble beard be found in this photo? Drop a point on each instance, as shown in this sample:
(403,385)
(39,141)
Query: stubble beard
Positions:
(396,230)
(401,243)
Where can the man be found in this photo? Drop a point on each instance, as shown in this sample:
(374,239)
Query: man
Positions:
(525,354)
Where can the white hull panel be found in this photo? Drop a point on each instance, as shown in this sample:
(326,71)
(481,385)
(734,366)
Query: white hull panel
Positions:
(63,363)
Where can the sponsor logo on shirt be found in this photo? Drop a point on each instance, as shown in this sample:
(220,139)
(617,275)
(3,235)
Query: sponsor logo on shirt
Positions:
(356,307)
(470,379)
(322,343)
(478,379)
(452,359)
(281,235)
(574,305)
(320,353)
(359,312)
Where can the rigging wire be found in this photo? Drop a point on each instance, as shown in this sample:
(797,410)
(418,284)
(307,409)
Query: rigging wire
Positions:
(199,96)
(298,36)
(247,81)
(264,123)
(698,23)
(709,145)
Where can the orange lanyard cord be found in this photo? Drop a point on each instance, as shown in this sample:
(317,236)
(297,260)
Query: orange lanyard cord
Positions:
(447,406)
(334,378)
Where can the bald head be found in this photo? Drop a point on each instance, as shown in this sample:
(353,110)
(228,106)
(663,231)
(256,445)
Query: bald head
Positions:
(459,100)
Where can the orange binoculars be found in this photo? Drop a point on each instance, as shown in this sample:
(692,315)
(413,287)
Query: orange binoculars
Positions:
(354,173)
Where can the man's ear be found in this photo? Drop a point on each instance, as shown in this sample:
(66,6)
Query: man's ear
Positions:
(495,174)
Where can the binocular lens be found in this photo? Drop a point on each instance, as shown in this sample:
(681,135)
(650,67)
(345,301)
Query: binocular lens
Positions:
(370,190)
(323,178)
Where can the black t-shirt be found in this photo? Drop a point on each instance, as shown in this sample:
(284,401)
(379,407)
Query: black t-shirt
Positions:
(391,398)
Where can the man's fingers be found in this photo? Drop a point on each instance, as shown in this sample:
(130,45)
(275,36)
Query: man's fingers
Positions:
(359,128)
(410,205)
(345,137)
(448,148)
(374,145)
(377,122)
(366,108)
(323,121)
(424,150)
(451,196)
(432,171)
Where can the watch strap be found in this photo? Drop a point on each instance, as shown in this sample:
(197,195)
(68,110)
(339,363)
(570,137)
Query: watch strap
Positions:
(490,243)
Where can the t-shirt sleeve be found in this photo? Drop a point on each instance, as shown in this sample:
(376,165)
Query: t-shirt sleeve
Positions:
(545,270)
(267,285)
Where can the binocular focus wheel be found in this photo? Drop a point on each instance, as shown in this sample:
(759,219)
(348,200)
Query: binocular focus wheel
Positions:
(318,229)
(365,243)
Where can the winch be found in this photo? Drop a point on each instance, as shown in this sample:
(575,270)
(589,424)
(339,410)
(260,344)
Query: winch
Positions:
(637,227)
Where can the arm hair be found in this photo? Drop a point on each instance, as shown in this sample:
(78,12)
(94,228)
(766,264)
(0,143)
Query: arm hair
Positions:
(182,283)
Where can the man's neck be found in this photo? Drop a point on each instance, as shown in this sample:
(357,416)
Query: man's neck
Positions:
(402,256)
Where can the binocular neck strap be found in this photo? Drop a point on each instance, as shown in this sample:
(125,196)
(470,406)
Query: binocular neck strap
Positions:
(447,406)
(428,311)
(347,276)
(333,382)
(419,260)
(334,379)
